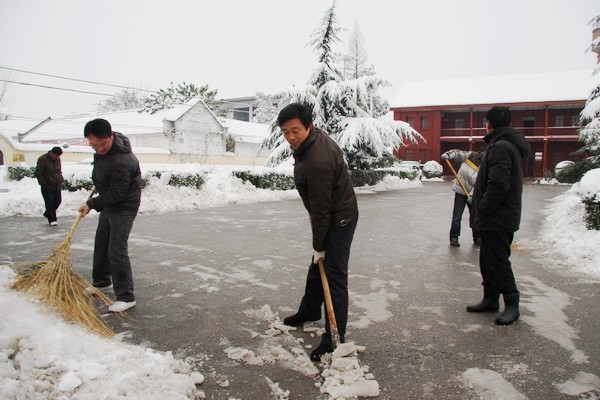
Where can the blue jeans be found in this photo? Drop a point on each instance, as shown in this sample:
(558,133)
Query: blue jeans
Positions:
(460,202)
(337,253)
(111,257)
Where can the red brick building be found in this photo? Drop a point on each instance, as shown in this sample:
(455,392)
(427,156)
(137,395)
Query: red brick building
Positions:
(450,114)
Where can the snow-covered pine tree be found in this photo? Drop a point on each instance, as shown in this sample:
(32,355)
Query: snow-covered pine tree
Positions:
(350,111)
(356,58)
(171,96)
(590,115)
(266,112)
(126,99)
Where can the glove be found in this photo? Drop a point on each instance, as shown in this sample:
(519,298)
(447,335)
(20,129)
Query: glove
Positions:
(317,255)
(469,200)
(447,155)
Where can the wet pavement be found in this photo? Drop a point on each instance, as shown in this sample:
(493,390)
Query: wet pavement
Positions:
(203,278)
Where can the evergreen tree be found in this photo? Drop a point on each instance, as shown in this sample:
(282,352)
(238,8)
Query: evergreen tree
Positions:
(266,112)
(126,99)
(348,110)
(356,58)
(172,96)
(590,115)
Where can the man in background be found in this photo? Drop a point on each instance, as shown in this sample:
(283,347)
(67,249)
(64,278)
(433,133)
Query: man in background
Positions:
(467,173)
(323,182)
(117,179)
(48,172)
(497,199)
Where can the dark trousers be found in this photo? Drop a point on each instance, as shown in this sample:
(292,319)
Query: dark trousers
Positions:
(460,202)
(337,253)
(111,257)
(52,199)
(494,261)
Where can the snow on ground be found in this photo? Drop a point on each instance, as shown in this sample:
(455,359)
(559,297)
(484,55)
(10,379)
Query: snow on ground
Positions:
(40,355)
(43,357)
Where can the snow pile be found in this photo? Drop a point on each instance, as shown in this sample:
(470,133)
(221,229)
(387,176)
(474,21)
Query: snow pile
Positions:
(41,356)
(565,231)
(344,377)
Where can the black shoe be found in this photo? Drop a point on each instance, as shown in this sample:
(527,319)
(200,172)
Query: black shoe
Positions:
(320,350)
(454,241)
(477,241)
(297,320)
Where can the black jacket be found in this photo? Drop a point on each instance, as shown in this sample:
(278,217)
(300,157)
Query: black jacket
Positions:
(323,181)
(499,186)
(117,178)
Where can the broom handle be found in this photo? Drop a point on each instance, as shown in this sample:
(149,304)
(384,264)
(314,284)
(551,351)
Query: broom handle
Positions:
(458,179)
(80,214)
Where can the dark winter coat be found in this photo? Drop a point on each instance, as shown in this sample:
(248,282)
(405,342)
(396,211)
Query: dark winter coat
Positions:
(323,182)
(117,178)
(48,171)
(499,186)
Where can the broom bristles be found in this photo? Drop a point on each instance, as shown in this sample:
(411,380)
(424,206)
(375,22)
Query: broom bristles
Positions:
(59,285)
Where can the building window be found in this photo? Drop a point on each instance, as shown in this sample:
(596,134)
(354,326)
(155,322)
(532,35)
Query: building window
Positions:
(483,122)
(409,155)
(559,120)
(241,114)
(424,122)
(422,156)
(528,122)
(459,123)
(575,120)
(410,121)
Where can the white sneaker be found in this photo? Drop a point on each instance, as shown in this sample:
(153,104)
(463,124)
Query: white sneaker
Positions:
(53,223)
(120,306)
(94,289)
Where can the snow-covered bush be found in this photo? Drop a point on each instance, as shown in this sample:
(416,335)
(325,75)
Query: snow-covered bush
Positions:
(432,169)
(271,180)
(589,191)
(18,173)
(574,172)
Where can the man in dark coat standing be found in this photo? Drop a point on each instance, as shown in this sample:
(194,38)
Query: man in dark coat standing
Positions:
(323,182)
(497,203)
(117,179)
(48,172)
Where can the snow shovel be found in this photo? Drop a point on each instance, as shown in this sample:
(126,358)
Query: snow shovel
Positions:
(458,179)
(335,335)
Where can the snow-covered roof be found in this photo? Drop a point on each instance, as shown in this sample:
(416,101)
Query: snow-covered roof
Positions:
(131,122)
(250,132)
(540,87)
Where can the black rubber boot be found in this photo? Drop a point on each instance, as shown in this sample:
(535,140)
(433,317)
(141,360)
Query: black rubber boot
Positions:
(511,310)
(490,302)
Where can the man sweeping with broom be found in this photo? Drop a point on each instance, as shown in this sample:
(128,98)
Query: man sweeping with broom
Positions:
(117,179)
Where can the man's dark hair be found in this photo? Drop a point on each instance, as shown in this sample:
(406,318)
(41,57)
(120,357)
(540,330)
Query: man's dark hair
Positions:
(295,110)
(56,150)
(498,117)
(98,127)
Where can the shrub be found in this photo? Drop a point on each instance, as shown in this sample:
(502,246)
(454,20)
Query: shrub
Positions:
(433,169)
(186,179)
(18,173)
(271,180)
(592,212)
(573,173)
(371,177)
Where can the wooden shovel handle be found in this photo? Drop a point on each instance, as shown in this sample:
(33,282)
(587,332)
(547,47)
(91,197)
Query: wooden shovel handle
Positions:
(329,304)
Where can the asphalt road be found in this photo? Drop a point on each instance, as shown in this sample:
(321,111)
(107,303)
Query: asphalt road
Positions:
(204,277)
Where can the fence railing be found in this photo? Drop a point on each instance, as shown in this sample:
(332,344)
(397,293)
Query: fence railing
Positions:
(537,131)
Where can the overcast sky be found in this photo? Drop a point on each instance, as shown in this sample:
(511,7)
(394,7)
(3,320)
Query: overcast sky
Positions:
(241,47)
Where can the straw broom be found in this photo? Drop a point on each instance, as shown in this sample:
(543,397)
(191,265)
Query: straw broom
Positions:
(60,286)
